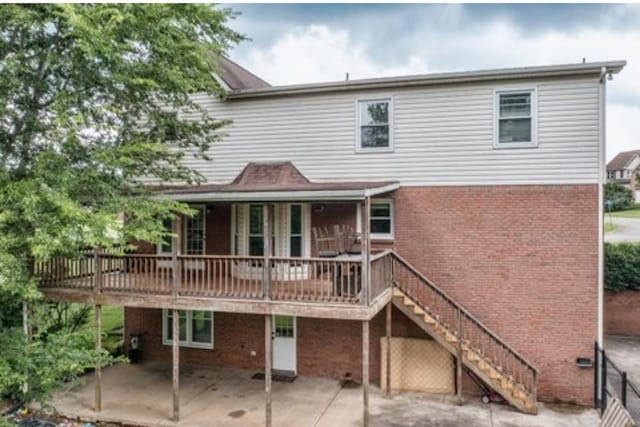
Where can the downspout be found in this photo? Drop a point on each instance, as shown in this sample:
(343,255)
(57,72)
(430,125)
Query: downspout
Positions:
(601,182)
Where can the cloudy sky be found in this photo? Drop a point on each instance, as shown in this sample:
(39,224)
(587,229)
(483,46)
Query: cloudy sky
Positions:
(301,43)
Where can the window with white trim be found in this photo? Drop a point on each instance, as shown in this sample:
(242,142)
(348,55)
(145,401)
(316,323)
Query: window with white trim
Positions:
(515,118)
(375,125)
(196,328)
(194,232)
(380,219)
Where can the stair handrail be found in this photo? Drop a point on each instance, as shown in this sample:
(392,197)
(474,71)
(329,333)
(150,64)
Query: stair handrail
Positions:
(463,310)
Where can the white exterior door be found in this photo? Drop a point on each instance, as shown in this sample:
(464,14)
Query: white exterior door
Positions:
(284,343)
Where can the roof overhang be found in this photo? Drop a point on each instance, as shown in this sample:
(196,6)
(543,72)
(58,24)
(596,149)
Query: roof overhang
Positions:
(567,70)
(282,196)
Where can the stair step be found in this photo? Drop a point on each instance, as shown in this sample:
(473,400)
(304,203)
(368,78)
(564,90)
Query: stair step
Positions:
(488,370)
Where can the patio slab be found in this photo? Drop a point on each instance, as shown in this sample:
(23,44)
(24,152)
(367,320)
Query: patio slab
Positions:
(142,395)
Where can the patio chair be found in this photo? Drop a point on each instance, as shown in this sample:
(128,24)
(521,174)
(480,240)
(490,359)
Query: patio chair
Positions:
(327,245)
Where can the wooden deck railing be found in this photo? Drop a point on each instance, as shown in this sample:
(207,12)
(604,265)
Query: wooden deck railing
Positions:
(227,276)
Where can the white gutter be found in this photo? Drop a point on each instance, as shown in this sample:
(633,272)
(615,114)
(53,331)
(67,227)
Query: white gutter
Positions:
(282,196)
(432,79)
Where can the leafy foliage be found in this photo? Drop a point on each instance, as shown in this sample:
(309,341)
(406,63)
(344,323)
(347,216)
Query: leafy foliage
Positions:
(620,196)
(95,104)
(622,267)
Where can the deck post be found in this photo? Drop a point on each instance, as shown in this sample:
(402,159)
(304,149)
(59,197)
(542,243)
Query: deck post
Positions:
(266,263)
(175,345)
(388,351)
(97,270)
(366,250)
(176,251)
(26,328)
(267,367)
(98,368)
(365,373)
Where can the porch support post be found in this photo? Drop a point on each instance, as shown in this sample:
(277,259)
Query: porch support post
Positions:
(388,351)
(365,373)
(176,364)
(98,368)
(267,367)
(266,267)
(366,250)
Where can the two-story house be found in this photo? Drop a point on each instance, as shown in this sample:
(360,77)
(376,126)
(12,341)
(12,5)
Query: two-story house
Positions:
(460,210)
(623,169)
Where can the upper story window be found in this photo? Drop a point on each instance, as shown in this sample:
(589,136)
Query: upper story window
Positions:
(375,125)
(515,119)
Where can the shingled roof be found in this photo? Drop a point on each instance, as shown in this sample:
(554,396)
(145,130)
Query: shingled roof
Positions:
(238,78)
(282,180)
(621,160)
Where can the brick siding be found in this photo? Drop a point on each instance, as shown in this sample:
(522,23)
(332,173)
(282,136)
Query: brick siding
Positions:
(523,259)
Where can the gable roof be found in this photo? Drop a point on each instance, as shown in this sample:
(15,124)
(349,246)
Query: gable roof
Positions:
(237,77)
(621,160)
(263,181)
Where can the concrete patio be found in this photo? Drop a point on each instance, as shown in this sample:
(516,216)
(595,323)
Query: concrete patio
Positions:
(142,395)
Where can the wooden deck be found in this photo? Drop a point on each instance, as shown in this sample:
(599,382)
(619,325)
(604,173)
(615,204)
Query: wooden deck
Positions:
(329,287)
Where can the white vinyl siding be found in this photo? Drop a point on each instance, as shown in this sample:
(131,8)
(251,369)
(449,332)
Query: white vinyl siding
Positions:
(442,135)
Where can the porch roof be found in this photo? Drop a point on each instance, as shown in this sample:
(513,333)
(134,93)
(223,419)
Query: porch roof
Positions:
(280,181)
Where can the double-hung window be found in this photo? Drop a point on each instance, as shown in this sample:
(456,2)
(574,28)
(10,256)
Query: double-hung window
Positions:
(374,131)
(196,328)
(380,219)
(515,119)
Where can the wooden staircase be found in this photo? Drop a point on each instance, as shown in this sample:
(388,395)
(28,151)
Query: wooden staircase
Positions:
(479,349)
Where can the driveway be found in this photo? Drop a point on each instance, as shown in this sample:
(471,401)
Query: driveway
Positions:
(628,229)
(141,395)
(625,353)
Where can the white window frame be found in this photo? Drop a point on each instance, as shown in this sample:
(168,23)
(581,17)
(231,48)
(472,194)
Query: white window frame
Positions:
(159,250)
(189,341)
(203,212)
(534,117)
(390,148)
(377,236)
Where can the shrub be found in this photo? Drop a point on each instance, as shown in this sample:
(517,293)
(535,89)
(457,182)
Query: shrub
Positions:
(620,196)
(622,267)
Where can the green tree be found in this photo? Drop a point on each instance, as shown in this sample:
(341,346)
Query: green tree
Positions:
(620,196)
(94,101)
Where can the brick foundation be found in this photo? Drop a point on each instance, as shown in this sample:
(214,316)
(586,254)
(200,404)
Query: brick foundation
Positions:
(622,313)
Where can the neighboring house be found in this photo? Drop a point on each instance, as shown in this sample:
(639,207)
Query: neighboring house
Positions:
(481,195)
(623,169)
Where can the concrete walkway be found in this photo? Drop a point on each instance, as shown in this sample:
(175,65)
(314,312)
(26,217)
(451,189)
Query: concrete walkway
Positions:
(141,395)
(628,229)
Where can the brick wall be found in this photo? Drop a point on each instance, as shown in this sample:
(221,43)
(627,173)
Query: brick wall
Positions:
(523,259)
(622,313)
(325,347)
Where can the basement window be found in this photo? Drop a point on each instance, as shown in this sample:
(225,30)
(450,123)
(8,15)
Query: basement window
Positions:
(196,328)
(515,119)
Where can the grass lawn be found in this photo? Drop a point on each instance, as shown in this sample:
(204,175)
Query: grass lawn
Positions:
(634,212)
(112,321)
(609,227)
